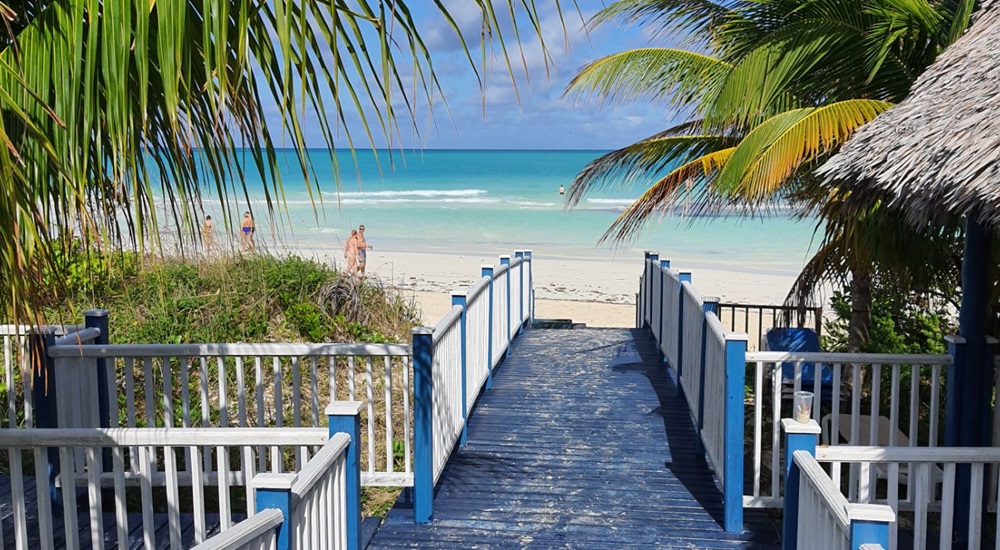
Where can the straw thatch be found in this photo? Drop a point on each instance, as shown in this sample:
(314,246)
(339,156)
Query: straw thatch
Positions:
(936,155)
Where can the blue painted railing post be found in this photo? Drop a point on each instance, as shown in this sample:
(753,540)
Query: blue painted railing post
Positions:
(423,425)
(345,417)
(44,398)
(798,437)
(505,260)
(487,271)
(531,288)
(459,299)
(98,318)
(732,493)
(872,528)
(274,491)
(987,386)
(519,254)
(952,431)
(682,277)
(664,265)
(953,398)
(710,304)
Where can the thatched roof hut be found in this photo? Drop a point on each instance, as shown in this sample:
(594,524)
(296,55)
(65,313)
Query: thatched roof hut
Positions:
(936,155)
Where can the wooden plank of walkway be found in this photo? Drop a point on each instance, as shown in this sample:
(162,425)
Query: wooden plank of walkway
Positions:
(583,442)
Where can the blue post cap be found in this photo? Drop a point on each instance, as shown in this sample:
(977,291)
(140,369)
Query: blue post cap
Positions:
(421,331)
(684,276)
(486,269)
(711,299)
(518,253)
(458,297)
(664,262)
(505,259)
(96,313)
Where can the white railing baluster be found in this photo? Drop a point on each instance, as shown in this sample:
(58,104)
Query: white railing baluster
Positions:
(407,459)
(173,498)
(935,404)
(43,499)
(67,475)
(185,364)
(370,394)
(947,512)
(94,496)
(894,406)
(121,506)
(387,382)
(976,484)
(758,413)
(198,495)
(17,497)
(314,389)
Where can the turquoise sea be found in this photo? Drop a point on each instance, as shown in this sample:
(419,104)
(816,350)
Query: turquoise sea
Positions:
(469,201)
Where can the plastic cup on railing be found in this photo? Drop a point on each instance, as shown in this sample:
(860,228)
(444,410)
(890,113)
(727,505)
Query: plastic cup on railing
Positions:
(802,405)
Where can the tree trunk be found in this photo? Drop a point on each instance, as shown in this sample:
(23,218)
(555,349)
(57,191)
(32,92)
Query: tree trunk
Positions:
(861,303)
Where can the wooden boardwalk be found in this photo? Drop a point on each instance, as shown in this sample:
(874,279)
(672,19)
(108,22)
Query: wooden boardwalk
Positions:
(582,443)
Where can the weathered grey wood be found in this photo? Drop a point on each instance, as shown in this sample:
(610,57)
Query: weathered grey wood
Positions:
(583,441)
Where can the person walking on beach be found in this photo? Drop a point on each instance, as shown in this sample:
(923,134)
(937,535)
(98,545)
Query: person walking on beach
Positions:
(246,239)
(208,234)
(363,247)
(351,252)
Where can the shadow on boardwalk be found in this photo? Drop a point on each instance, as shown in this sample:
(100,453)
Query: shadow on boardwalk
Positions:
(583,442)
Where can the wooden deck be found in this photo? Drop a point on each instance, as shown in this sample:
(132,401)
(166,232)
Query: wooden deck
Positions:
(582,443)
(83,521)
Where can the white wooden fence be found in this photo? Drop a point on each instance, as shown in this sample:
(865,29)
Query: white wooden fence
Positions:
(910,383)
(123,459)
(825,516)
(454,362)
(16,377)
(245,385)
(316,498)
(868,399)
(259,532)
(931,501)
(448,412)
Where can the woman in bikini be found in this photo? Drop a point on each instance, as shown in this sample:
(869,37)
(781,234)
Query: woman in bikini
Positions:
(351,252)
(246,239)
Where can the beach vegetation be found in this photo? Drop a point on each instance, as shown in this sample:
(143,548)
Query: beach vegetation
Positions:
(767,91)
(118,115)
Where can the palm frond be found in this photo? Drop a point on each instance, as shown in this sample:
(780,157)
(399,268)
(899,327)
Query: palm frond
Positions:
(644,160)
(674,77)
(775,149)
(662,194)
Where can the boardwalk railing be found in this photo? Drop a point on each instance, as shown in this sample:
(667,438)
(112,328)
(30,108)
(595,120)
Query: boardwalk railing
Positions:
(756,319)
(414,410)
(938,496)
(453,362)
(860,398)
(23,348)
(259,532)
(870,399)
(243,385)
(131,462)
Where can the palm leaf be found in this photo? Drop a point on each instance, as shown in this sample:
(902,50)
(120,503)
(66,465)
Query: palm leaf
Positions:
(774,150)
(674,77)
(662,195)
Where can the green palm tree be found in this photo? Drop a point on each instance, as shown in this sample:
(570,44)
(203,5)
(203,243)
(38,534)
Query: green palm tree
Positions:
(770,88)
(106,105)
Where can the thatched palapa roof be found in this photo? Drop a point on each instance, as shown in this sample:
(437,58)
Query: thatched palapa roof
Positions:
(936,155)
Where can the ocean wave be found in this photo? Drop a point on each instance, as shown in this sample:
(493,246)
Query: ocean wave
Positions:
(532,204)
(453,200)
(422,193)
(605,203)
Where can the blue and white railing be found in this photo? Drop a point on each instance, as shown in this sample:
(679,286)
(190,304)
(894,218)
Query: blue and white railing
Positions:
(724,384)
(455,361)
(916,489)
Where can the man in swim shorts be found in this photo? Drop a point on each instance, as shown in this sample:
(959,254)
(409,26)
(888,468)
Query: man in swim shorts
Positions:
(363,247)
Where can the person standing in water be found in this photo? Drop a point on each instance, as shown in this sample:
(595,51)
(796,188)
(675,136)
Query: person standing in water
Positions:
(246,239)
(363,247)
(351,252)
(208,234)
(562,190)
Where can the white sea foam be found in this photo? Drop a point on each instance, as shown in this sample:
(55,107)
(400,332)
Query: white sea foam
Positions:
(401,200)
(422,193)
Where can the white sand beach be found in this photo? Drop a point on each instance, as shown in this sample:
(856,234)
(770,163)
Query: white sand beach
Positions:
(600,293)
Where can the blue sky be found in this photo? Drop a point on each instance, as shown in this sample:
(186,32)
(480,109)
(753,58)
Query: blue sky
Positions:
(533,115)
